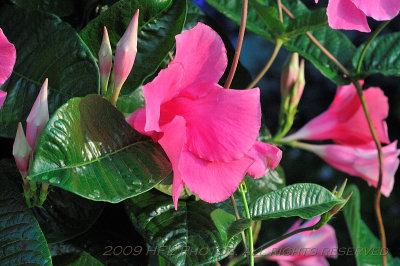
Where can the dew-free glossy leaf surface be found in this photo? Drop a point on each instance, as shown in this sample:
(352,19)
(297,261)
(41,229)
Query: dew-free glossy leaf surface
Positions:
(187,236)
(21,240)
(46,47)
(88,148)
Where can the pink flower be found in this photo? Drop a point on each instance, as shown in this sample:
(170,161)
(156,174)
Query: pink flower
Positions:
(208,132)
(352,14)
(309,248)
(361,161)
(7,61)
(344,122)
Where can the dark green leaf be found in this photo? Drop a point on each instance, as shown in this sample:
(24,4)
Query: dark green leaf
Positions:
(222,220)
(304,200)
(270,17)
(187,236)
(65,215)
(131,102)
(382,56)
(21,240)
(81,259)
(308,22)
(159,22)
(58,7)
(46,48)
(88,148)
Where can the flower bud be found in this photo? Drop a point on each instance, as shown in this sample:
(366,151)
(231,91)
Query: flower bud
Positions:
(3,96)
(21,151)
(105,61)
(38,116)
(298,87)
(125,56)
(289,74)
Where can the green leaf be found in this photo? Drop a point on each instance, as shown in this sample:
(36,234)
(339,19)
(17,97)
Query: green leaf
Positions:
(187,236)
(304,200)
(80,259)
(46,48)
(382,56)
(270,17)
(159,22)
(334,41)
(60,8)
(21,240)
(361,236)
(65,215)
(88,148)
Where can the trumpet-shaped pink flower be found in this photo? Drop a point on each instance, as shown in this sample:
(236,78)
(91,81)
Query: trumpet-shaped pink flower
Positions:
(7,61)
(361,161)
(309,248)
(352,14)
(208,132)
(344,122)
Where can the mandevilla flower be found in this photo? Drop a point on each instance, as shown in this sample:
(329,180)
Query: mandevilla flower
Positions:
(344,121)
(208,132)
(7,61)
(309,248)
(38,117)
(361,161)
(352,14)
(105,61)
(21,151)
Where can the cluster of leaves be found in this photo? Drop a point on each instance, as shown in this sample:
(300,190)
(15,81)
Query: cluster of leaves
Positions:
(90,155)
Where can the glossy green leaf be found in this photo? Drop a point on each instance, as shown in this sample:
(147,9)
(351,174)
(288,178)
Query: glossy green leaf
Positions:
(58,7)
(159,22)
(269,15)
(382,56)
(303,200)
(187,236)
(80,259)
(334,41)
(21,240)
(65,215)
(46,48)
(88,148)
(222,220)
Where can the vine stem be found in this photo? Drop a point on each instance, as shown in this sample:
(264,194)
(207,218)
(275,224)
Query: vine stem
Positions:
(235,208)
(278,46)
(243,190)
(242,29)
(368,117)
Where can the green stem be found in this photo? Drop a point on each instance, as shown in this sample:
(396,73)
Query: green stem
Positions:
(373,36)
(235,208)
(243,190)
(278,46)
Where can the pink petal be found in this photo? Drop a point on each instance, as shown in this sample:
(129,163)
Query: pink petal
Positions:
(3,96)
(266,156)
(309,261)
(137,120)
(7,58)
(212,181)
(222,126)
(202,54)
(163,88)
(172,143)
(343,14)
(379,9)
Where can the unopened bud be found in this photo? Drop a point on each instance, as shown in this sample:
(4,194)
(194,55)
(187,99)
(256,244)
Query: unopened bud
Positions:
(38,117)
(298,87)
(21,151)
(125,55)
(3,96)
(289,74)
(105,61)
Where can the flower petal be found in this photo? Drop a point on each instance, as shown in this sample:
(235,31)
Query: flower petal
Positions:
(222,126)
(163,88)
(343,14)
(137,120)
(266,156)
(7,58)
(379,9)
(212,181)
(172,143)
(202,54)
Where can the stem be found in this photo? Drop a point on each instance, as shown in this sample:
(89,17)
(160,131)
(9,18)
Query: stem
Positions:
(278,46)
(238,45)
(279,3)
(238,218)
(373,36)
(242,190)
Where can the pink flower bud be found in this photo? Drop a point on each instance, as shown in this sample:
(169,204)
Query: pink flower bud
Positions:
(21,151)
(289,74)
(298,87)
(105,61)
(38,116)
(3,96)
(125,55)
